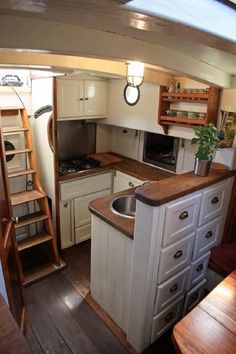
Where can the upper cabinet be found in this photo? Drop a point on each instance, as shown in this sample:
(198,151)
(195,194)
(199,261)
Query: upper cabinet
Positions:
(81,99)
(200,107)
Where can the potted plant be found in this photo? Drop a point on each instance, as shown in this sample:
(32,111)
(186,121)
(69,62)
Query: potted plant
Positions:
(207,141)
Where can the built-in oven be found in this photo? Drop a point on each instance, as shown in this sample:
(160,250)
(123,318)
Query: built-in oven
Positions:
(161,150)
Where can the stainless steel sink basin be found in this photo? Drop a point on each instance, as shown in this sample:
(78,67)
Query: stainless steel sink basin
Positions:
(124,205)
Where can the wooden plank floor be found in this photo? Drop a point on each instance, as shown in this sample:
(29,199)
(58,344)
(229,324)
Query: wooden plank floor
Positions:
(63,318)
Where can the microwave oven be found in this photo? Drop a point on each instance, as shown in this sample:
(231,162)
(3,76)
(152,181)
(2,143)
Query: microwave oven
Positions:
(161,150)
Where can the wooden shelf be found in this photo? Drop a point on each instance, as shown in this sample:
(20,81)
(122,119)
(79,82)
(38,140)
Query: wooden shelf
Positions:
(31,219)
(211,99)
(170,119)
(33,241)
(21,173)
(27,196)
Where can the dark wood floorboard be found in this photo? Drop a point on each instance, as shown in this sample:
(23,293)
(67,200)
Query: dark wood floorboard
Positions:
(61,316)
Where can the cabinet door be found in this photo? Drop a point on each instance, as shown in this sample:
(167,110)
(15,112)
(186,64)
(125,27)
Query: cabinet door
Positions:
(82,216)
(66,224)
(95,98)
(70,98)
(123,181)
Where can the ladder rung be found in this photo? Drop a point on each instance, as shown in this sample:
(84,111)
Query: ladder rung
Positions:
(5,112)
(41,272)
(30,219)
(14,152)
(21,173)
(27,196)
(7,130)
(33,241)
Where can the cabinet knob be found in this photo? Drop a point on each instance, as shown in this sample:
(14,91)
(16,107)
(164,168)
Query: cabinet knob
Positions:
(178,254)
(81,99)
(65,205)
(15,219)
(183,215)
(174,288)
(208,234)
(199,268)
(86,98)
(169,316)
(215,200)
(131,184)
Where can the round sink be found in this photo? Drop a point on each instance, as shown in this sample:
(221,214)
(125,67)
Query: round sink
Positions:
(124,205)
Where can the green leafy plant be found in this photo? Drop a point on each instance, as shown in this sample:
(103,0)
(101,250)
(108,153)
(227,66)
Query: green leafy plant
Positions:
(207,141)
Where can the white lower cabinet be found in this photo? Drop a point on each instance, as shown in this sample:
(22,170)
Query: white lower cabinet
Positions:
(75,217)
(123,181)
(167,318)
(193,296)
(172,244)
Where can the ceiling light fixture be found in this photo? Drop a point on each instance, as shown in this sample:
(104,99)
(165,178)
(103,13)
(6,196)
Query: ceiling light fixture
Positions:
(134,73)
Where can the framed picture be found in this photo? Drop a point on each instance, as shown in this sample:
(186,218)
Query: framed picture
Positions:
(227,130)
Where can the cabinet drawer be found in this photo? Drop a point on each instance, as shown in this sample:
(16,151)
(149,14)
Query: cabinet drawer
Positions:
(180,219)
(172,289)
(207,237)
(82,214)
(198,270)
(83,233)
(86,185)
(166,319)
(123,181)
(175,257)
(194,296)
(212,203)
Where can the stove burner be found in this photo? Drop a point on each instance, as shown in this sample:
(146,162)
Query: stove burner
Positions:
(83,163)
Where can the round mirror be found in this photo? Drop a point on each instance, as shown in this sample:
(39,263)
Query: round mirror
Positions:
(131,95)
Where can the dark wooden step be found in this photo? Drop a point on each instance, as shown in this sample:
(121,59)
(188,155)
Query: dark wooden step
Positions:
(27,196)
(41,272)
(7,130)
(31,219)
(5,112)
(33,241)
(21,173)
(20,151)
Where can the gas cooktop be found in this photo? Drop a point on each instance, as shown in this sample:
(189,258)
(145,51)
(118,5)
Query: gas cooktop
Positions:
(82,163)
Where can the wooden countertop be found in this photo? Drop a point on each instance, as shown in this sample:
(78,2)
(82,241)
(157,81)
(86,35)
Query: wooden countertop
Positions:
(131,167)
(164,191)
(211,326)
(11,339)
(101,208)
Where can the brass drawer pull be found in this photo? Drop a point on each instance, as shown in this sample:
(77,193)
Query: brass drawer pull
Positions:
(178,254)
(131,184)
(199,268)
(174,288)
(215,200)
(169,317)
(183,215)
(209,234)
(194,296)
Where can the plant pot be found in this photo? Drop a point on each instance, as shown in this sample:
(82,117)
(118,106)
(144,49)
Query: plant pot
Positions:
(202,167)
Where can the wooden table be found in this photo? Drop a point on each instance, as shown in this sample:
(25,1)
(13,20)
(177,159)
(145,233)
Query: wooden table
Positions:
(210,328)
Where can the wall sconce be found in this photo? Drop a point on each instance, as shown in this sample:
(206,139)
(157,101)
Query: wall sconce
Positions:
(134,73)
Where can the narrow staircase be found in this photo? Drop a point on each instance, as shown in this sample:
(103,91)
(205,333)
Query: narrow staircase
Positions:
(43,240)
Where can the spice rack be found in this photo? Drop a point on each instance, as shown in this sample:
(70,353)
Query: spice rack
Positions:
(211,99)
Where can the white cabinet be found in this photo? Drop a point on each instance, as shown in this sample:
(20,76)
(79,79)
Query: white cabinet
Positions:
(75,196)
(81,99)
(123,181)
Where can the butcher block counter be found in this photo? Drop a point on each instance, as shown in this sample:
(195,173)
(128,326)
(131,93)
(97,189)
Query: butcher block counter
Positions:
(115,162)
(160,191)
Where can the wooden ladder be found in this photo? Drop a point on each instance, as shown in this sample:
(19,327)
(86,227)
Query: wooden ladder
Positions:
(36,195)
